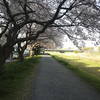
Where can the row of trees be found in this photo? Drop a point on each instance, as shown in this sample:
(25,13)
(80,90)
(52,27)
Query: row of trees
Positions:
(26,20)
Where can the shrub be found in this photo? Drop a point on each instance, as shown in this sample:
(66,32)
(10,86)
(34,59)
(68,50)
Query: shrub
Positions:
(99,49)
(61,51)
(75,51)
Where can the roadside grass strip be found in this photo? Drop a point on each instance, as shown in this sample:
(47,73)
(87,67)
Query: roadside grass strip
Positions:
(14,75)
(90,78)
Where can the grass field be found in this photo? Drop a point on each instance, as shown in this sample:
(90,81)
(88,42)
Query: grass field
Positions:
(94,57)
(88,70)
(15,80)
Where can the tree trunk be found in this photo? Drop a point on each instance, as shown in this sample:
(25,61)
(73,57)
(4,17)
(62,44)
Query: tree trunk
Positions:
(21,51)
(2,62)
(21,57)
(4,54)
(31,53)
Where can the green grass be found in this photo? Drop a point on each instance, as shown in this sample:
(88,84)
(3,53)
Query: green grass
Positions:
(91,78)
(88,66)
(13,76)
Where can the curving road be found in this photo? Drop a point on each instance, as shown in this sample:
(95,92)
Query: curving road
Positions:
(55,82)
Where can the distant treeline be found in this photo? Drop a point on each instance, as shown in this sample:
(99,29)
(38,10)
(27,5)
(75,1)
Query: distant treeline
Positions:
(61,51)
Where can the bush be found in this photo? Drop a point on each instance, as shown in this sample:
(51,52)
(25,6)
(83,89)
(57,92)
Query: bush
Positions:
(75,51)
(61,51)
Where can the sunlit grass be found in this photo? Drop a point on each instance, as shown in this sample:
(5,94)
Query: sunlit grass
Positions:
(90,67)
(90,71)
(94,57)
(99,70)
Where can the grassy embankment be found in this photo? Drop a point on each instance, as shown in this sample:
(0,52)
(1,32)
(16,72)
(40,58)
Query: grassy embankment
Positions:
(89,71)
(16,79)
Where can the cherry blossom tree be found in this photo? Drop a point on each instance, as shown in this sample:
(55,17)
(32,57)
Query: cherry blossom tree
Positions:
(44,14)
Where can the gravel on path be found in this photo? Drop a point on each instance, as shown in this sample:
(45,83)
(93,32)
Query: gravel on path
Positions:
(55,82)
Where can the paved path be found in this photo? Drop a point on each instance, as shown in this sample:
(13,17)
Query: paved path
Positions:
(56,82)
